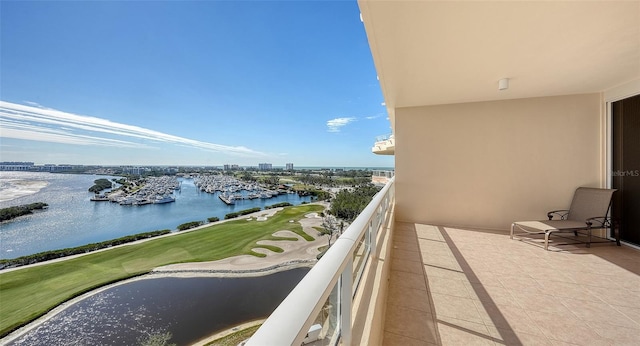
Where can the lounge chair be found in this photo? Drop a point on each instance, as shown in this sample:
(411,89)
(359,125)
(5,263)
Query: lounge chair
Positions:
(589,210)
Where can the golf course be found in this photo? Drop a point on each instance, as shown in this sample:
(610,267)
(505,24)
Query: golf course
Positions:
(29,292)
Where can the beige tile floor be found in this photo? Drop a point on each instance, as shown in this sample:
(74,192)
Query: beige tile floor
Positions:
(452,286)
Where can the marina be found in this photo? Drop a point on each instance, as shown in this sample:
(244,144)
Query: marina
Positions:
(154,190)
(159,190)
(231,189)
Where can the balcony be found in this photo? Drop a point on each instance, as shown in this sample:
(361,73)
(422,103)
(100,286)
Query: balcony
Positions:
(381,177)
(451,286)
(394,283)
(385,145)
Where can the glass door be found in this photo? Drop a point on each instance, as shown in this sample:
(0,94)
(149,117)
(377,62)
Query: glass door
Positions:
(626,167)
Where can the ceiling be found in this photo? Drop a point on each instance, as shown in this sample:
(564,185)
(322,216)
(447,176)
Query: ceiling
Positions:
(440,52)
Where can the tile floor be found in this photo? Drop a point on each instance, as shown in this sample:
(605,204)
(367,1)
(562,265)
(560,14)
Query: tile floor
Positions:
(452,286)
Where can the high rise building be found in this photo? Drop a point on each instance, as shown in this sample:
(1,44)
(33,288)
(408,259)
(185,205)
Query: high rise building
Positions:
(265,166)
(228,167)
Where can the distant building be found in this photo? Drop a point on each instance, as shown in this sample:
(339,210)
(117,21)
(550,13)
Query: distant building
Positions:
(289,166)
(16,166)
(134,170)
(29,166)
(228,167)
(265,166)
(55,168)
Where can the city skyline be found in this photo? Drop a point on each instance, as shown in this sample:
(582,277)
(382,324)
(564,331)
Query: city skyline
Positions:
(196,83)
(16,166)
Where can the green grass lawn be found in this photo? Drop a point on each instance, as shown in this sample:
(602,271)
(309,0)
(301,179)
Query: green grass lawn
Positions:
(28,293)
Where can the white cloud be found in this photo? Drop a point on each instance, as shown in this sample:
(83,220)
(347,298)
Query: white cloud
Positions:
(49,125)
(383,104)
(55,137)
(374,116)
(334,125)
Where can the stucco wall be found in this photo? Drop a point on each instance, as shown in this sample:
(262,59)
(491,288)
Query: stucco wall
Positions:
(487,164)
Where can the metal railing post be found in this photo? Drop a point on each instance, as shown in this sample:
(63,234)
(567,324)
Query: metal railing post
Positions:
(346,299)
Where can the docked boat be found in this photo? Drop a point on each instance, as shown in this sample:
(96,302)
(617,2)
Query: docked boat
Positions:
(126,201)
(227,199)
(164,199)
(265,195)
(142,201)
(100,198)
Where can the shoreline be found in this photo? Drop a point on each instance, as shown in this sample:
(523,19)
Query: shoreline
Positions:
(228,273)
(228,331)
(18,188)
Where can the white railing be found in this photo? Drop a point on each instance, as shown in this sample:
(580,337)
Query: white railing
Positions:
(379,177)
(383,138)
(323,298)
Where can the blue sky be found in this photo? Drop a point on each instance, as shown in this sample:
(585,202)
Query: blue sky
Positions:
(188,83)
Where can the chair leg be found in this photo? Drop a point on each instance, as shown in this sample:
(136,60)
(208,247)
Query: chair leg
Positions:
(546,240)
(511,234)
(589,237)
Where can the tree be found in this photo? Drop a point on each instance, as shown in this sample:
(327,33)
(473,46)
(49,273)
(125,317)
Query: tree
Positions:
(306,178)
(330,226)
(347,205)
(246,176)
(271,179)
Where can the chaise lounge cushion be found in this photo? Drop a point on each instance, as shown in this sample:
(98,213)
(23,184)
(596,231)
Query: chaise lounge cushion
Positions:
(552,225)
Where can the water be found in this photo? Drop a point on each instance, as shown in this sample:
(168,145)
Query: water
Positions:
(73,220)
(189,308)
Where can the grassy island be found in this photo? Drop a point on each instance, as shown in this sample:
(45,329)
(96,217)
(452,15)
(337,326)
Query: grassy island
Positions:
(99,185)
(28,293)
(25,209)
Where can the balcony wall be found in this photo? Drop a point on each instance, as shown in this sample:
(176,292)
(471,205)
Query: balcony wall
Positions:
(486,164)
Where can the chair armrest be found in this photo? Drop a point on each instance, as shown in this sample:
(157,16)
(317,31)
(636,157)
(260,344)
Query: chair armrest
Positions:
(561,213)
(599,221)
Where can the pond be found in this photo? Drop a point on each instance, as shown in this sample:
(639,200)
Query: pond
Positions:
(189,308)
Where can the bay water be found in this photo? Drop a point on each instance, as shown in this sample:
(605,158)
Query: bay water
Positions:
(73,220)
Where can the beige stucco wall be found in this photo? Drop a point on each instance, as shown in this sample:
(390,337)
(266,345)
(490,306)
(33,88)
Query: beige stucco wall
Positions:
(487,164)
